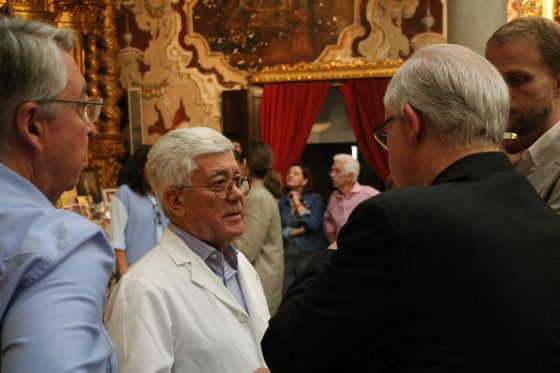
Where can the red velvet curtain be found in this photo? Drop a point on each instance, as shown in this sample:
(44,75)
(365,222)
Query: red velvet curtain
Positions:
(287,113)
(364,103)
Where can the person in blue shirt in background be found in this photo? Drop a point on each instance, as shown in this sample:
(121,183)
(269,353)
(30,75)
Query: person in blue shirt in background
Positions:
(301,214)
(54,264)
(137,222)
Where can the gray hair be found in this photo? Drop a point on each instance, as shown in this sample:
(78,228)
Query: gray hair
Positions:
(541,31)
(351,165)
(172,159)
(463,97)
(31,68)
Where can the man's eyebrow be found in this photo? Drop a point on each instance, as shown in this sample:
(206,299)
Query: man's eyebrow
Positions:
(223,172)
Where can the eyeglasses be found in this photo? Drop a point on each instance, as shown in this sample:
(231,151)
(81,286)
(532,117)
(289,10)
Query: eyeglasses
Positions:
(222,187)
(92,106)
(379,134)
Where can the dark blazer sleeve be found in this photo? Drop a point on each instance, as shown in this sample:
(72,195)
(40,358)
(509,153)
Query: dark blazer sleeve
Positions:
(356,294)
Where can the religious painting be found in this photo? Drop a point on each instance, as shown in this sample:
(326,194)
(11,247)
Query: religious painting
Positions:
(256,33)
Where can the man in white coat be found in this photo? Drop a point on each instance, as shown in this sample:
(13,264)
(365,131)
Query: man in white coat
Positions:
(193,303)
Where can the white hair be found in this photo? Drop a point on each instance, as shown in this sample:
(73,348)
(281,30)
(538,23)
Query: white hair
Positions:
(463,96)
(350,165)
(172,159)
(31,68)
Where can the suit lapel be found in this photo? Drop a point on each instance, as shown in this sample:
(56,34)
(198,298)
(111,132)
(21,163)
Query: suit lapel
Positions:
(200,274)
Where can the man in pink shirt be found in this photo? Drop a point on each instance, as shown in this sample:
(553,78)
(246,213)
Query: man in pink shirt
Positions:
(348,194)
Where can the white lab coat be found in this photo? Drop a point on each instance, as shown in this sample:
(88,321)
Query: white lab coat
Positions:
(171,313)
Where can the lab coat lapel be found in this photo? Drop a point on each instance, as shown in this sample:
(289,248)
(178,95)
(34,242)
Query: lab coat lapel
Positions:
(254,297)
(200,274)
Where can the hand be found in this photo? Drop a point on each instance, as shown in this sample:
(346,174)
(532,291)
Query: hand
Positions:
(297,231)
(262,370)
(295,200)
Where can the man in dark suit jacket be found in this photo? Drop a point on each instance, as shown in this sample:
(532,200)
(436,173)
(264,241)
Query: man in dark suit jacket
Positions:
(456,270)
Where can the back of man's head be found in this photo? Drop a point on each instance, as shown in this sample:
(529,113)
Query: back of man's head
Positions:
(31,68)
(541,31)
(460,94)
(172,159)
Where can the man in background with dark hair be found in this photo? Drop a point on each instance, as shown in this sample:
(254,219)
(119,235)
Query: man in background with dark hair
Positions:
(235,139)
(527,53)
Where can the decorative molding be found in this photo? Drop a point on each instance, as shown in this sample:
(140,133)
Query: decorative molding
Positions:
(328,70)
(546,8)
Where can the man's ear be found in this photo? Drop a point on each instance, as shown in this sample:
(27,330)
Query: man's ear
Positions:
(557,85)
(31,124)
(414,122)
(174,201)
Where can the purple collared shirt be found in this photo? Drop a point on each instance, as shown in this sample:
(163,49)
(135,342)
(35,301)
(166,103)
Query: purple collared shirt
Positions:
(224,265)
(340,206)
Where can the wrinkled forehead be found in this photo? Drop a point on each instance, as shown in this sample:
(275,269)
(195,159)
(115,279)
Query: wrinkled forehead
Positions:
(216,164)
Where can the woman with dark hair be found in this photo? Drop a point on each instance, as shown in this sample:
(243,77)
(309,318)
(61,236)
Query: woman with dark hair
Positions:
(301,212)
(137,222)
(261,241)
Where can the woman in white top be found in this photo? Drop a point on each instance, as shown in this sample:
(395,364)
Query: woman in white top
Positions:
(137,222)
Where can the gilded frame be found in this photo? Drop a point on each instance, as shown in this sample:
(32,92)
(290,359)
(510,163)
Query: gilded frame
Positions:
(328,70)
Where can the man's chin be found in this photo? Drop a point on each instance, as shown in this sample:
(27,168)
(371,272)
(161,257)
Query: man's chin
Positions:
(236,230)
(516,125)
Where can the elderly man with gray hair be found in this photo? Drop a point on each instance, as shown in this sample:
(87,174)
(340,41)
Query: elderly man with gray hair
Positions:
(193,303)
(54,264)
(348,194)
(455,270)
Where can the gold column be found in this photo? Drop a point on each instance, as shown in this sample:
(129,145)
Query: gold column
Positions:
(108,148)
(94,21)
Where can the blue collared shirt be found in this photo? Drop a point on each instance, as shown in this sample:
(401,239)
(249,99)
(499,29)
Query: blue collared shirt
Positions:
(54,270)
(224,265)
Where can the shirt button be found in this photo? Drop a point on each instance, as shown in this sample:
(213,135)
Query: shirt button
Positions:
(242,318)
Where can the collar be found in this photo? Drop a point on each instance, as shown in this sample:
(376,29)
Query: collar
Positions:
(202,249)
(355,189)
(18,185)
(539,147)
(474,164)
